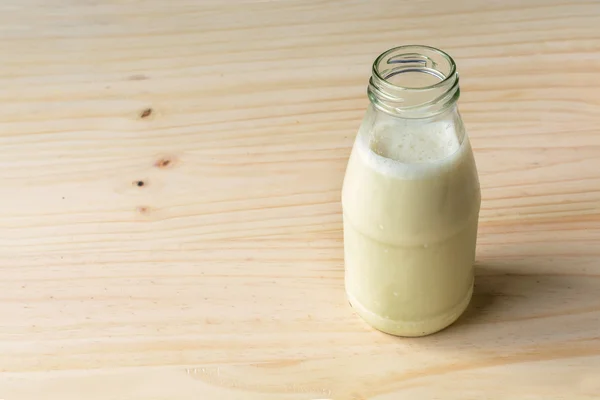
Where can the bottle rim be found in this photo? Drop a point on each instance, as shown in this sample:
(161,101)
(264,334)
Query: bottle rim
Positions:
(402,48)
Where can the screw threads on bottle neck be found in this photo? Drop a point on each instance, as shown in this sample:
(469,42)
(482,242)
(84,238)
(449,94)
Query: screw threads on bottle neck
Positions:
(414,82)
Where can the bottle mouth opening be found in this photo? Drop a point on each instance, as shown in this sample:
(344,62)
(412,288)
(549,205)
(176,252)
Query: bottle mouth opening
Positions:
(414,67)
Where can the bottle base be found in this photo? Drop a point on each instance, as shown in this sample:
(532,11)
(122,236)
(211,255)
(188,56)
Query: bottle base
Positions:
(411,328)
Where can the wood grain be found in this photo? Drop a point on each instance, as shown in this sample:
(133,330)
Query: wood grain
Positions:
(169,201)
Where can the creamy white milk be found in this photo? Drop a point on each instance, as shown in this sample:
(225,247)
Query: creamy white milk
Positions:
(411,204)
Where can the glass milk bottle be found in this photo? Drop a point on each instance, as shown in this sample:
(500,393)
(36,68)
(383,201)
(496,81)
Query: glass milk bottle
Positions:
(411,198)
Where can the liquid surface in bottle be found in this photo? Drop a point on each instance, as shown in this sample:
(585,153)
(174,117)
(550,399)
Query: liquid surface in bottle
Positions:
(411,205)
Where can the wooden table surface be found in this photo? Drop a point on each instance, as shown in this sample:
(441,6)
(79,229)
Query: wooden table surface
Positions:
(170,179)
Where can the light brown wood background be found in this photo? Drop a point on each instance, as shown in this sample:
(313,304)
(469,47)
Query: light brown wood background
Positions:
(222,276)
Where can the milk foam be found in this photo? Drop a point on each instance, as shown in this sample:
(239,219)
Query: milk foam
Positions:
(412,152)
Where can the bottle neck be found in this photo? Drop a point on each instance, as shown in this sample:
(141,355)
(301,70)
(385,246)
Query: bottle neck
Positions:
(414,82)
